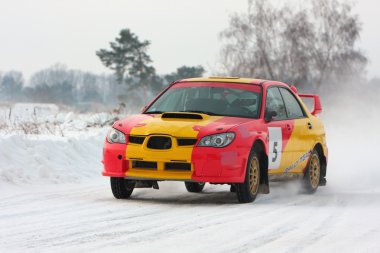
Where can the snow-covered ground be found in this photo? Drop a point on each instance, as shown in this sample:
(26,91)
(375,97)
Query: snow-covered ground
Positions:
(85,218)
(53,199)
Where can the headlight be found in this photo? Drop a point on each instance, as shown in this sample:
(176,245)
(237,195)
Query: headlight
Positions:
(115,136)
(217,140)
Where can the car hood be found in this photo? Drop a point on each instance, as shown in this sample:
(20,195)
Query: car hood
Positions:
(177,124)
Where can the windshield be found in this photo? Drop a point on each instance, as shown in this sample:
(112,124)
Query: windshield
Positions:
(210,99)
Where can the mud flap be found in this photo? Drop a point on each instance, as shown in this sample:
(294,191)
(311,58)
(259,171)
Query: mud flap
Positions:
(322,182)
(264,179)
(264,189)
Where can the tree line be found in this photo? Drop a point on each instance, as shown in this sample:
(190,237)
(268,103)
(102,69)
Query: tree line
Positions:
(59,84)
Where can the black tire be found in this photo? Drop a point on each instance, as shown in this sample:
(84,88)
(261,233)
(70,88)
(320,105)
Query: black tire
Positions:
(311,178)
(194,186)
(122,188)
(246,192)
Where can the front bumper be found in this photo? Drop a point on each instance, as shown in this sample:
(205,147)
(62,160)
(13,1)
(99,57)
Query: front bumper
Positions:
(200,164)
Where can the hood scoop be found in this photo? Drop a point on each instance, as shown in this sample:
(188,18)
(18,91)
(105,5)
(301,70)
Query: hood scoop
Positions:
(181,115)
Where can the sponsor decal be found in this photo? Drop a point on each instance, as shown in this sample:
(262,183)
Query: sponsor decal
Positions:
(300,160)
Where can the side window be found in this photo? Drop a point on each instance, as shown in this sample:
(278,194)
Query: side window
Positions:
(292,105)
(275,103)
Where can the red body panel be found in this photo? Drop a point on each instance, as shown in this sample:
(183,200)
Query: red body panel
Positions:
(113,159)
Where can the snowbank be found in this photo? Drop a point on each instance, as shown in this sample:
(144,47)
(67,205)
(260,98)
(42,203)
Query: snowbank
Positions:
(40,158)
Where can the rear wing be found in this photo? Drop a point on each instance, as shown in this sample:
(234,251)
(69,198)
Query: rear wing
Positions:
(317,102)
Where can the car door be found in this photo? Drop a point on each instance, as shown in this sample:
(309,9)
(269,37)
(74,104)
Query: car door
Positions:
(301,139)
(279,131)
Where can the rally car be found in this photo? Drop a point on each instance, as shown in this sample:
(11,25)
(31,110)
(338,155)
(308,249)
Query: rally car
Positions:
(219,130)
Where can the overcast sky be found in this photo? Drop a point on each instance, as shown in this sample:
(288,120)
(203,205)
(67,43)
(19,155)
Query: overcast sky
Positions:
(36,34)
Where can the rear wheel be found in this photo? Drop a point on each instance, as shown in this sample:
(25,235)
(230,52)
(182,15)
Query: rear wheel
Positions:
(122,188)
(194,186)
(247,191)
(312,174)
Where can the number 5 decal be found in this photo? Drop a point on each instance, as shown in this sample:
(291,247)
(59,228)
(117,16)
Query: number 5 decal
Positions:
(275,147)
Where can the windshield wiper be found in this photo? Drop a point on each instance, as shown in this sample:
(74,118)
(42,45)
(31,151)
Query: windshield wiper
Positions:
(204,112)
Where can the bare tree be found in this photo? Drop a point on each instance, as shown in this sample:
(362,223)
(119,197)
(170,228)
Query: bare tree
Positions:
(308,45)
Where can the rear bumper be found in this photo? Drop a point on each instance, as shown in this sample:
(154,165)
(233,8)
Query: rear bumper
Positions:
(214,165)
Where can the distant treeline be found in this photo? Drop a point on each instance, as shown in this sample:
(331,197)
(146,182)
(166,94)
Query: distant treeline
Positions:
(61,85)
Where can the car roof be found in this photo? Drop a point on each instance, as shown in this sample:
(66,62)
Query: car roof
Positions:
(226,79)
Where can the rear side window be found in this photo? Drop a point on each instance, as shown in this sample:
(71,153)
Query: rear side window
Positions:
(293,108)
(275,103)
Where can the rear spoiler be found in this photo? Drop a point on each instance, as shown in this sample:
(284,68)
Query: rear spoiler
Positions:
(317,100)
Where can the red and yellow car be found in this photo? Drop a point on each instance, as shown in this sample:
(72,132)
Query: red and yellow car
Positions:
(219,130)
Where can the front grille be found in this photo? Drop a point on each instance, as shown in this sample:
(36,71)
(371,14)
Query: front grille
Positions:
(144,165)
(136,139)
(178,166)
(159,142)
(186,142)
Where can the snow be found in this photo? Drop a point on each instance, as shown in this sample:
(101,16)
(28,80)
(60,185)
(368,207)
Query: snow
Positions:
(32,118)
(41,159)
(28,111)
(53,199)
(85,217)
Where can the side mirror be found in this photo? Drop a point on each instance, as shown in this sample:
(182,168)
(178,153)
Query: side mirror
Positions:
(269,115)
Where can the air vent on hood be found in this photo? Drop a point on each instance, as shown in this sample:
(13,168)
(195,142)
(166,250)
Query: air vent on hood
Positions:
(176,115)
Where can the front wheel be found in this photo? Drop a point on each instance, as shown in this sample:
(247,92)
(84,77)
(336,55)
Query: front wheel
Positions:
(122,188)
(312,175)
(247,191)
(194,186)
